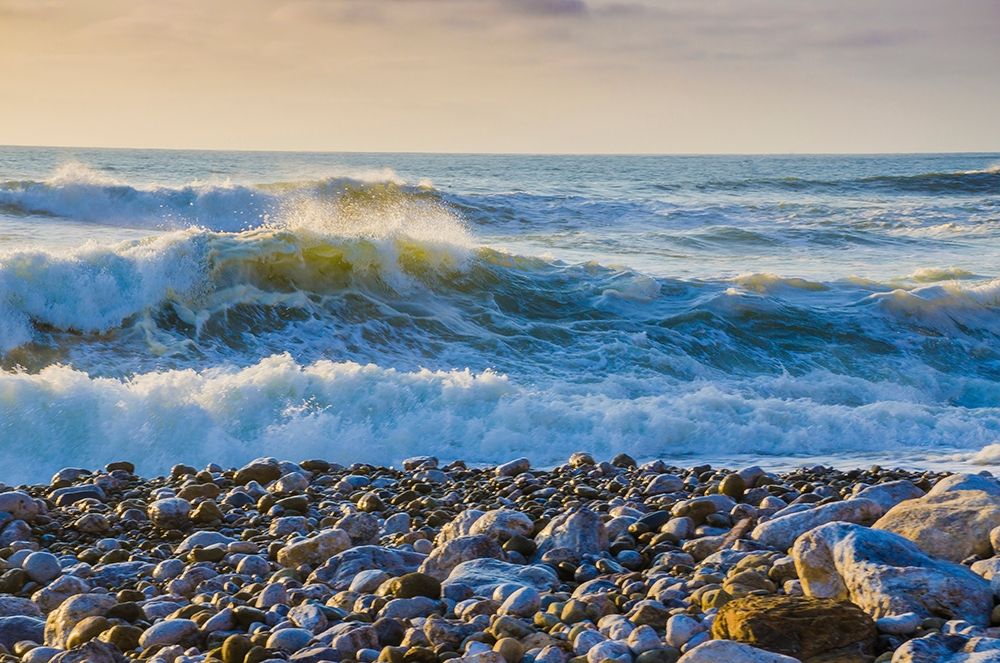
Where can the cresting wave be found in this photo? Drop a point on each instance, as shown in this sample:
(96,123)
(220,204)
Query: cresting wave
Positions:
(427,296)
(78,192)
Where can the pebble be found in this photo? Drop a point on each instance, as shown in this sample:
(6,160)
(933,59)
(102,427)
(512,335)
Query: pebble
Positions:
(588,561)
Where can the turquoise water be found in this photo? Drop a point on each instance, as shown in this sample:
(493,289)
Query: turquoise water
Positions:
(209,306)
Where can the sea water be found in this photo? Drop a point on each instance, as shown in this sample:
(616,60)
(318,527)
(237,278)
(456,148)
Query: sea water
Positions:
(191,306)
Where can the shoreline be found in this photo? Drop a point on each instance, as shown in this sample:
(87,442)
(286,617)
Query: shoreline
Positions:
(593,560)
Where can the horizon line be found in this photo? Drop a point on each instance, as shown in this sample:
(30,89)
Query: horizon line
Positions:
(498,154)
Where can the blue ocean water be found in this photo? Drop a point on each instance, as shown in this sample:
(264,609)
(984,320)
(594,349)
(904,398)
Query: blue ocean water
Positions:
(186,306)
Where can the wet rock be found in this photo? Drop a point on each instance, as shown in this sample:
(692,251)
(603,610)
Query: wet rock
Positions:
(63,497)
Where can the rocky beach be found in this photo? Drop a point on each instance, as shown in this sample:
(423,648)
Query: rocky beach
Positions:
(586,562)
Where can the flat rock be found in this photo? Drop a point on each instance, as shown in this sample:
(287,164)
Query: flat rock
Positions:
(953,520)
(886,574)
(797,625)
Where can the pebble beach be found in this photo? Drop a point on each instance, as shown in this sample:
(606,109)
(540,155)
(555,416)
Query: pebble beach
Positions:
(590,561)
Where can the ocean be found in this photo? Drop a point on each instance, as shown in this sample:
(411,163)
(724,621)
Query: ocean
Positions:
(195,306)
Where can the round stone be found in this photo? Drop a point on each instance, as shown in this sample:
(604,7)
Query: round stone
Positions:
(42,567)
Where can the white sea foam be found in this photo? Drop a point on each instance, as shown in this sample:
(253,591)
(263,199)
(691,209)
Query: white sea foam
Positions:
(355,413)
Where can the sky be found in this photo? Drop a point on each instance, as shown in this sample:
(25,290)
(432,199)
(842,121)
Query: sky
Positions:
(540,76)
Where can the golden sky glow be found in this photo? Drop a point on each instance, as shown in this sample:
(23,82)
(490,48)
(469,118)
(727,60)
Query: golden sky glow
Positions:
(503,75)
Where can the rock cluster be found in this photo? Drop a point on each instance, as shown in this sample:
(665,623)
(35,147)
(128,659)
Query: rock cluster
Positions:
(586,562)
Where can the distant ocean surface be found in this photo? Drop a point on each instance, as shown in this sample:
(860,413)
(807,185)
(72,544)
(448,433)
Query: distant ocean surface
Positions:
(175,306)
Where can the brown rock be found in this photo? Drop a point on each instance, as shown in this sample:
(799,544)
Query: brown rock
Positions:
(798,626)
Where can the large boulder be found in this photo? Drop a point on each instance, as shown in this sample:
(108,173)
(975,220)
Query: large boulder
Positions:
(482,576)
(780,533)
(886,575)
(797,626)
(445,558)
(580,532)
(340,570)
(953,520)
